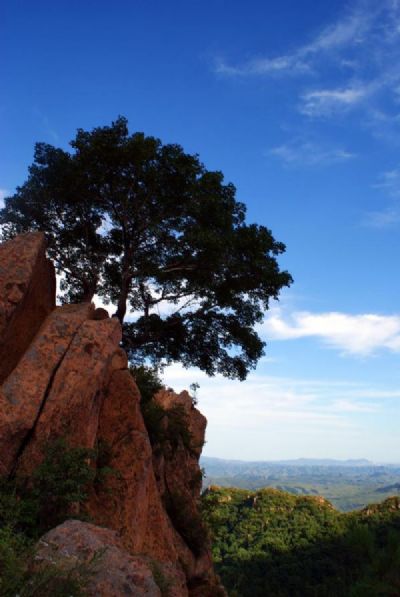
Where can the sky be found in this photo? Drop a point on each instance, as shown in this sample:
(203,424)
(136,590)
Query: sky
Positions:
(297,102)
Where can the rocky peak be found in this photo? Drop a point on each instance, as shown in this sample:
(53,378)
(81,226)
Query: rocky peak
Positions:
(64,375)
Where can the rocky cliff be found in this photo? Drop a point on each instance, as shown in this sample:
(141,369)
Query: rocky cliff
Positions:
(64,375)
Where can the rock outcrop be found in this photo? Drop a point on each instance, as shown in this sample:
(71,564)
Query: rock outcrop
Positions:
(66,377)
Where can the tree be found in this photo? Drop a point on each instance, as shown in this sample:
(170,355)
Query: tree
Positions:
(149,228)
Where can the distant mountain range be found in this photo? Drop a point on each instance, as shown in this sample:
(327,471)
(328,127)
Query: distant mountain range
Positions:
(348,484)
(294,462)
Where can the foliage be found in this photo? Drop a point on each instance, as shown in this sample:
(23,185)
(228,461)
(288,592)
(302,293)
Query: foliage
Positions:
(29,508)
(194,387)
(166,428)
(147,380)
(272,543)
(146,225)
(161,579)
(62,479)
(35,505)
(14,552)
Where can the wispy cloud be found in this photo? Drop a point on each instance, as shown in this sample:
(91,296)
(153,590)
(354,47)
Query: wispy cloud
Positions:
(353,63)
(351,334)
(263,401)
(263,66)
(270,416)
(310,154)
(389,184)
(324,102)
(351,30)
(382,219)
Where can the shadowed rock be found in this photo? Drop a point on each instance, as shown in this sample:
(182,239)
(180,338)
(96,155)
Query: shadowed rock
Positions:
(27,295)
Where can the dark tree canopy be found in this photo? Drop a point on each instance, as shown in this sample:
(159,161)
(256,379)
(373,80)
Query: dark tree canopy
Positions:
(151,230)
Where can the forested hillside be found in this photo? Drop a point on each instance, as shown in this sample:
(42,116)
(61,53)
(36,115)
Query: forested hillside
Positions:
(271,543)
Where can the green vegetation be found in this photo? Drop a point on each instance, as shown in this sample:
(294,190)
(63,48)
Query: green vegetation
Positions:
(161,579)
(145,225)
(270,543)
(29,508)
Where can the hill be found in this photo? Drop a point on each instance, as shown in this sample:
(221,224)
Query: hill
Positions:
(271,543)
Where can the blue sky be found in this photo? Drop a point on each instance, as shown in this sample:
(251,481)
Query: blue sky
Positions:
(298,103)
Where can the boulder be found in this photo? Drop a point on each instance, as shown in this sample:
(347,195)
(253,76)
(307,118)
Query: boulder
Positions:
(110,569)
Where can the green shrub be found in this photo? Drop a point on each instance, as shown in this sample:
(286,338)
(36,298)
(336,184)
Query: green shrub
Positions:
(61,480)
(162,581)
(30,507)
(14,552)
(147,380)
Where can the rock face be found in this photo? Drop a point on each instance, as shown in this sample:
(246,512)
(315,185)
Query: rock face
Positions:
(27,295)
(67,377)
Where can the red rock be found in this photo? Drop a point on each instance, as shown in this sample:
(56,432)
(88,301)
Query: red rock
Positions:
(179,478)
(24,393)
(72,381)
(27,295)
(129,501)
(75,394)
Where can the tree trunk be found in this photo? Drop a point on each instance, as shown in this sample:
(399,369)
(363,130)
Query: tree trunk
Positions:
(89,290)
(123,297)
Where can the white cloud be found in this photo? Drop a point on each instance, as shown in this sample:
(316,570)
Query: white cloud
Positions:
(352,334)
(358,56)
(351,30)
(267,417)
(382,219)
(324,102)
(348,406)
(310,154)
(390,182)
(264,66)
(264,404)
